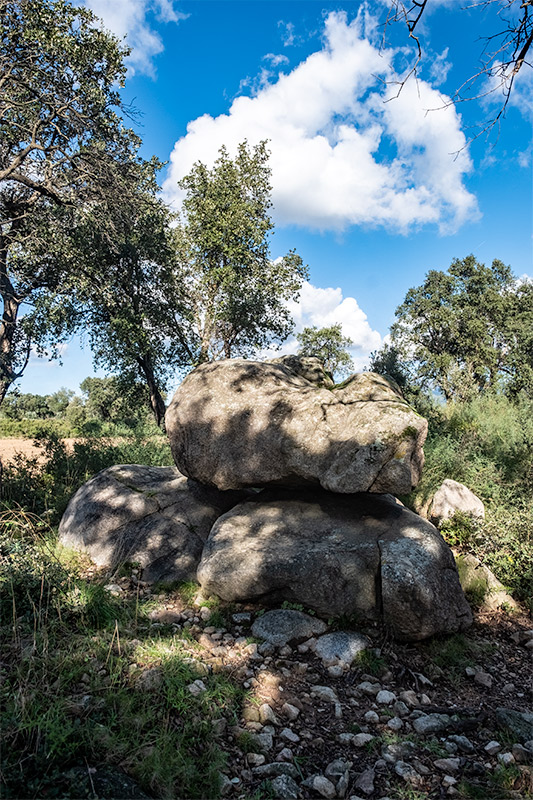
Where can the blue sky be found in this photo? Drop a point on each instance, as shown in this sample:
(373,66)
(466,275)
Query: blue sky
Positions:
(372,194)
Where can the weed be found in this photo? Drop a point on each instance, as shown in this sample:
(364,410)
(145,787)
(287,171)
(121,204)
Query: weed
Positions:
(368,661)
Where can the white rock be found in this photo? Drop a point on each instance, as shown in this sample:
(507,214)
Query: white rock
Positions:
(323,786)
(492,748)
(360,739)
(385,697)
(290,711)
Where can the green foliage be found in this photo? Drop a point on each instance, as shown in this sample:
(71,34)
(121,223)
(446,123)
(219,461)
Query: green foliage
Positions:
(388,362)
(368,661)
(329,345)
(45,485)
(63,148)
(467,330)
(237,293)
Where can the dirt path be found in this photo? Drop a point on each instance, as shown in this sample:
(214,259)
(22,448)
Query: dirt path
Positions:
(10,447)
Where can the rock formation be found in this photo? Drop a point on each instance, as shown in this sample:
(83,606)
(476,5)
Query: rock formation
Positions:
(238,423)
(150,515)
(362,555)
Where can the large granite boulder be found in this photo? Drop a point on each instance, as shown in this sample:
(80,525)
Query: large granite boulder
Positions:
(150,515)
(452,497)
(337,554)
(240,423)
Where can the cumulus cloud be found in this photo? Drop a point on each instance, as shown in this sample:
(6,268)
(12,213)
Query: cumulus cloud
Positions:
(340,154)
(132,19)
(325,307)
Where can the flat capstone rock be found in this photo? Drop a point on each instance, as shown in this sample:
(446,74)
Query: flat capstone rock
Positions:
(344,645)
(284,625)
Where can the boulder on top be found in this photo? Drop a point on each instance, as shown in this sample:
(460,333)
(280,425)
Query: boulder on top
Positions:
(150,515)
(337,554)
(451,497)
(238,423)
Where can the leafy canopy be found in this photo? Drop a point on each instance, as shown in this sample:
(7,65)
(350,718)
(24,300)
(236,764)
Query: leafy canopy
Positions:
(329,345)
(237,293)
(63,145)
(468,329)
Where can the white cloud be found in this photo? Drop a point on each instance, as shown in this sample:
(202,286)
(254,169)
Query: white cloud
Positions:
(326,307)
(276,59)
(131,19)
(340,155)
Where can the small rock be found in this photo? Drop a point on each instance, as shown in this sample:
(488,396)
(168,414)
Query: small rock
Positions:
(150,679)
(255,759)
(219,726)
(522,755)
(464,744)
(431,723)
(409,698)
(470,672)
(371,689)
(289,736)
(197,687)
(506,759)
(323,786)
(508,688)
(275,769)
(205,613)
(483,679)
(335,671)
(365,781)
(447,765)
(448,781)
(391,753)
(225,784)
(250,714)
(241,617)
(266,715)
(520,723)
(264,741)
(114,589)
(324,693)
(385,697)
(285,787)
(290,711)
(285,754)
(492,748)
(342,645)
(395,724)
(371,717)
(400,709)
(345,738)
(284,625)
(407,772)
(360,739)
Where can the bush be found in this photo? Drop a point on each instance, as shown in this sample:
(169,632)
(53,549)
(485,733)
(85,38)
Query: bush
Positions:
(44,485)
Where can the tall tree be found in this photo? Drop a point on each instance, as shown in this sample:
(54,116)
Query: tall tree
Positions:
(237,294)
(467,329)
(62,145)
(329,345)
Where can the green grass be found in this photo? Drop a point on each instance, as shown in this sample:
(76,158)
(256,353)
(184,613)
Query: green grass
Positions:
(72,695)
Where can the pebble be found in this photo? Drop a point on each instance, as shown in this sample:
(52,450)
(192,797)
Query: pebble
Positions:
(267,715)
(285,787)
(255,759)
(463,743)
(285,754)
(324,786)
(241,617)
(431,723)
(368,688)
(395,724)
(360,739)
(409,698)
(290,711)
(522,755)
(365,781)
(483,679)
(407,772)
(506,759)
(289,735)
(197,687)
(508,688)
(384,697)
(275,769)
(400,709)
(324,693)
(447,765)
(335,671)
(492,748)
(371,717)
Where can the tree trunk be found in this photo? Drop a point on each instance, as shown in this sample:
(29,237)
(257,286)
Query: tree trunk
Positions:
(157,404)
(8,324)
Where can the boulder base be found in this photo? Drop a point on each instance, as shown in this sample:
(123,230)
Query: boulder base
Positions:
(240,423)
(150,515)
(363,554)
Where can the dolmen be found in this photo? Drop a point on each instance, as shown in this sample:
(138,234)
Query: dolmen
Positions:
(285,489)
